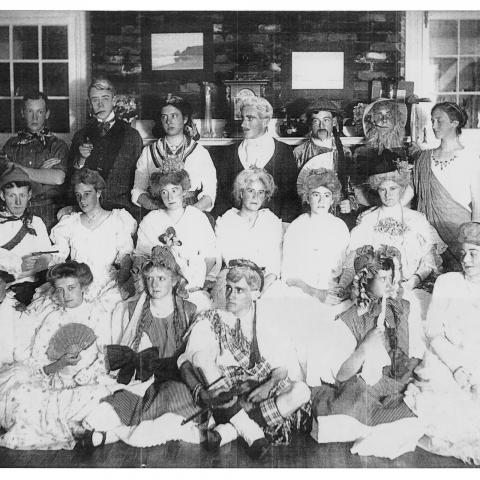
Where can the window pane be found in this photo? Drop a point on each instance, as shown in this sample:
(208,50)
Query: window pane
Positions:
(55,43)
(469,36)
(471,103)
(469,74)
(59,120)
(443,37)
(445,74)
(4,79)
(55,79)
(4,53)
(25,42)
(5,122)
(25,77)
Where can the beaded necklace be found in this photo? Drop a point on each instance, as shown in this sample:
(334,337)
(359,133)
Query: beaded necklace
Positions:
(443,163)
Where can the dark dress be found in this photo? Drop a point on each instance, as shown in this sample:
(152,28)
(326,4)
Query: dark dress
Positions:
(283,168)
(170,395)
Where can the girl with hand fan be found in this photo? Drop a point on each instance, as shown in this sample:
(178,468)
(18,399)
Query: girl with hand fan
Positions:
(44,397)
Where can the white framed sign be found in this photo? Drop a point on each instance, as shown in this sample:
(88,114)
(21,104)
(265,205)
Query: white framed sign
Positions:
(317,70)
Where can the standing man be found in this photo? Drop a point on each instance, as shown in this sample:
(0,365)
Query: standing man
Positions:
(109,146)
(324,149)
(259,150)
(41,155)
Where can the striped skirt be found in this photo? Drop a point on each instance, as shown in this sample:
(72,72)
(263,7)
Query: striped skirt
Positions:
(168,397)
(370,405)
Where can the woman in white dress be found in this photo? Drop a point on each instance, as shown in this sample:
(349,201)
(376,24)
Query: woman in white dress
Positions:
(447,179)
(393,224)
(100,238)
(446,395)
(250,230)
(176,149)
(44,396)
(315,244)
(183,228)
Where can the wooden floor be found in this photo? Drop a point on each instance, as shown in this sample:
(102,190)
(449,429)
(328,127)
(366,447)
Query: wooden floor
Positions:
(304,452)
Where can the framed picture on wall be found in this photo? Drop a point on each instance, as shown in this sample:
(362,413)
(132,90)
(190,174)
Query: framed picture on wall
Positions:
(177,52)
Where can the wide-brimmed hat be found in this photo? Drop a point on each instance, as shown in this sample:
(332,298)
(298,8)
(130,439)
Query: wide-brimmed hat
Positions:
(16,174)
(388,168)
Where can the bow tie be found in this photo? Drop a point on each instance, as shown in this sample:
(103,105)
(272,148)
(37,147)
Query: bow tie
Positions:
(27,137)
(26,219)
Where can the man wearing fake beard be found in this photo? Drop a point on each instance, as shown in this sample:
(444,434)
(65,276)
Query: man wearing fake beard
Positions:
(384,126)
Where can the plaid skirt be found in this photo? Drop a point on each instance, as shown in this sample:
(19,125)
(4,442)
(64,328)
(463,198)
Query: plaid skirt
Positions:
(370,405)
(168,397)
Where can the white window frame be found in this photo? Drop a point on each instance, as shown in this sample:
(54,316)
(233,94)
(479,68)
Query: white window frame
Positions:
(417,53)
(78,55)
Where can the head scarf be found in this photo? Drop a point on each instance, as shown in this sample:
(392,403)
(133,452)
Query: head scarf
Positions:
(247,265)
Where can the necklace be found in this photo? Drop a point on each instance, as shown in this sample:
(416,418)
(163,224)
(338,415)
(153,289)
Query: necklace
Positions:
(443,163)
(92,218)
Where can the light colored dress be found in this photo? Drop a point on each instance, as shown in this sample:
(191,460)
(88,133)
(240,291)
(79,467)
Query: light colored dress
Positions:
(197,239)
(450,414)
(39,411)
(261,242)
(314,249)
(99,248)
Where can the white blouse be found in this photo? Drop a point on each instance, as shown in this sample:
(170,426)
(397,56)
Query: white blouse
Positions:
(99,248)
(314,249)
(261,242)
(194,232)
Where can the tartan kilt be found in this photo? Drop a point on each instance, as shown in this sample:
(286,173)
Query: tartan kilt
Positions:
(168,397)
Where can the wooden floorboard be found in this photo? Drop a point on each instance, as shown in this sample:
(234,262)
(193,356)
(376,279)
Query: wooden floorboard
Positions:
(304,452)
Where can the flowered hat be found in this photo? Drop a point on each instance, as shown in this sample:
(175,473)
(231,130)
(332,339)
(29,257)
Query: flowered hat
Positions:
(389,169)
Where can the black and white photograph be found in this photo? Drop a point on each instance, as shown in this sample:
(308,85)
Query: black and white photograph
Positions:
(239,238)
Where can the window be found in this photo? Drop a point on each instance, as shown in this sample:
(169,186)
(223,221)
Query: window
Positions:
(443,58)
(43,51)
(455,58)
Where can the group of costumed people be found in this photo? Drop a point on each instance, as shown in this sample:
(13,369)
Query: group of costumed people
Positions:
(206,330)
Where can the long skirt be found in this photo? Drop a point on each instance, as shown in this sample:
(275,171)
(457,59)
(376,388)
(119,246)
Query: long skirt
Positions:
(168,397)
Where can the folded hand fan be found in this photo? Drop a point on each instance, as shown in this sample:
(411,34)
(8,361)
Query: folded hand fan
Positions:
(70,338)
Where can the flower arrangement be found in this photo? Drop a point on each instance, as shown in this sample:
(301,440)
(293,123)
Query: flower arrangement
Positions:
(391,227)
(126,108)
(358,111)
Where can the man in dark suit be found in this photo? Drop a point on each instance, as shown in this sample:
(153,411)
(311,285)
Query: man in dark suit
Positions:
(259,149)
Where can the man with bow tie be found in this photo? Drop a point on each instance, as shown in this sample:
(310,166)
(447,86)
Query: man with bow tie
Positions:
(107,145)
(41,155)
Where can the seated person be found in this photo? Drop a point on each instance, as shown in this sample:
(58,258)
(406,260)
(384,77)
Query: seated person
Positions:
(315,244)
(446,393)
(250,230)
(41,155)
(43,396)
(101,238)
(158,318)
(374,349)
(107,145)
(235,351)
(23,236)
(259,149)
(384,126)
(183,228)
(176,149)
(324,149)
(392,224)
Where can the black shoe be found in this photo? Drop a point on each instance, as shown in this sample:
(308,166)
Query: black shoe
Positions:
(213,441)
(258,449)
(85,442)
